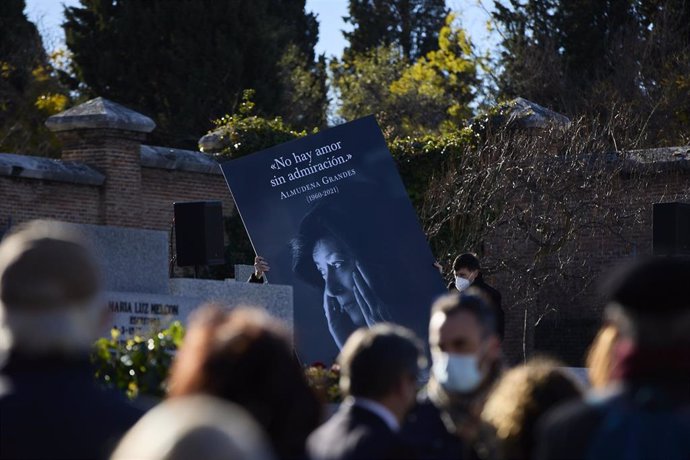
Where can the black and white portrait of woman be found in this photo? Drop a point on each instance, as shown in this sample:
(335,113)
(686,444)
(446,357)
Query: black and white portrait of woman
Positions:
(352,251)
(340,230)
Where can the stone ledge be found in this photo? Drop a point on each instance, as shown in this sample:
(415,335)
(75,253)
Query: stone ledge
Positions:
(153,156)
(657,160)
(529,115)
(31,167)
(100,113)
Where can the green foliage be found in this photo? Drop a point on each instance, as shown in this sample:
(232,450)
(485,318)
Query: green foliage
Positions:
(435,92)
(305,99)
(421,160)
(137,366)
(410,25)
(29,87)
(187,62)
(428,96)
(246,132)
(362,84)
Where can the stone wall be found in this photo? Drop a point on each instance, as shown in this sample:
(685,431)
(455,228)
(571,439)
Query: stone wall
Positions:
(106,175)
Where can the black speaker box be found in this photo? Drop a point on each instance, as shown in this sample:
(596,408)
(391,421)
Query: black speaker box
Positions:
(199,233)
(671,229)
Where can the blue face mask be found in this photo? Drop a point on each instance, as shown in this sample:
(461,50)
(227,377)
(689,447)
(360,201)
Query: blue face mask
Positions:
(456,372)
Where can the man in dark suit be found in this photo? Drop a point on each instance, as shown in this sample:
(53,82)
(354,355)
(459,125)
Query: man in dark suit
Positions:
(379,369)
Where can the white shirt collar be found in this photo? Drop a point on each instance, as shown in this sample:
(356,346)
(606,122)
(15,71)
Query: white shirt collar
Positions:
(380,410)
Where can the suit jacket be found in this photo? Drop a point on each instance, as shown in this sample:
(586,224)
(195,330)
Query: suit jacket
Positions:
(354,433)
(426,432)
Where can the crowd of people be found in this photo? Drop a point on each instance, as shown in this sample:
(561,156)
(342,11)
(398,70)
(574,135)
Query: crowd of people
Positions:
(236,390)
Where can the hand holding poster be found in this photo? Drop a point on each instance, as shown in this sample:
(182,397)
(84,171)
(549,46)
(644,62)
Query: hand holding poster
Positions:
(332,217)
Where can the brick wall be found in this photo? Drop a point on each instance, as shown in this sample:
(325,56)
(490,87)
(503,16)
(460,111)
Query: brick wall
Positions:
(115,153)
(161,187)
(26,199)
(563,318)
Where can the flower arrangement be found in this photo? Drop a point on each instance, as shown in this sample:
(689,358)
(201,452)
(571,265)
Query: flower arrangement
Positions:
(324,380)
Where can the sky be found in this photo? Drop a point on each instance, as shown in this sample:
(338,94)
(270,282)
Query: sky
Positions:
(47,15)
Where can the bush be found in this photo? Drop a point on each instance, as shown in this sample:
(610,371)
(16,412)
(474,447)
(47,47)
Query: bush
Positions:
(140,366)
(245,132)
(137,366)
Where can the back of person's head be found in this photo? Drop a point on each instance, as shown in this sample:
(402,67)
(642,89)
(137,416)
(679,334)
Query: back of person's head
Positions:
(648,301)
(472,301)
(521,396)
(194,427)
(49,290)
(246,357)
(466,260)
(373,361)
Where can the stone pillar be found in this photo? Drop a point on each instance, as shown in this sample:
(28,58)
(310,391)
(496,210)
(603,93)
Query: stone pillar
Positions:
(107,137)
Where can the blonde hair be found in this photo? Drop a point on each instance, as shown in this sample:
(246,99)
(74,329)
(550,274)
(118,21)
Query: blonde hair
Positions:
(520,397)
(599,356)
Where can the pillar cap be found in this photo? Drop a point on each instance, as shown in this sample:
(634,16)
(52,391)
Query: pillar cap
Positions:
(100,113)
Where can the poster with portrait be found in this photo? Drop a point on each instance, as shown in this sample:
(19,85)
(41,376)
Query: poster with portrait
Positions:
(332,218)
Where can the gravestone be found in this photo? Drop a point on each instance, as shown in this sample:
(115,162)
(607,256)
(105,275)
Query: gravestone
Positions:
(142,298)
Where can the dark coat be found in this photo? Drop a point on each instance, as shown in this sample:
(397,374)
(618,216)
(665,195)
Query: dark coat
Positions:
(354,433)
(494,295)
(51,407)
(426,433)
(639,421)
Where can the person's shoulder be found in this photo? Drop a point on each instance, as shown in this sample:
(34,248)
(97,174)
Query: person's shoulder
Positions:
(349,434)
(566,430)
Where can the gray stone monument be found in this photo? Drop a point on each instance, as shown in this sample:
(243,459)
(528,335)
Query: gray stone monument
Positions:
(141,298)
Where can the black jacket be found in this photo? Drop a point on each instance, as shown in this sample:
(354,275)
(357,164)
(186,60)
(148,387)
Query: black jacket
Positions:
(51,407)
(493,295)
(427,434)
(354,433)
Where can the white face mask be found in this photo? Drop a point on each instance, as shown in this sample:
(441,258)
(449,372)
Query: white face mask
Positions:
(456,372)
(461,283)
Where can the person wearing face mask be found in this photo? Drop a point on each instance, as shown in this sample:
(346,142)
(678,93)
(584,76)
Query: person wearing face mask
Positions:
(467,272)
(466,362)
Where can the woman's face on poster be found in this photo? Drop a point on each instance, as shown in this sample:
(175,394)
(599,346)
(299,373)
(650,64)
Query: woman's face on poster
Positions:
(336,265)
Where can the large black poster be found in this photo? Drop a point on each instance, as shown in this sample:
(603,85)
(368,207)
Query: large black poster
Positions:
(331,216)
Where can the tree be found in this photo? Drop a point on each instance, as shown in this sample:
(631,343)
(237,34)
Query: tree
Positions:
(589,56)
(413,25)
(436,91)
(362,85)
(305,94)
(430,95)
(29,88)
(185,63)
(532,204)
